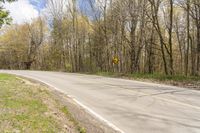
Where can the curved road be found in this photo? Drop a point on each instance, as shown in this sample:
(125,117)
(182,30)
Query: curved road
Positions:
(129,106)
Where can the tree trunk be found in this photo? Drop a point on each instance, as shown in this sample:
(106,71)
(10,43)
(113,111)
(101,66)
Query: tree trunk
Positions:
(170,38)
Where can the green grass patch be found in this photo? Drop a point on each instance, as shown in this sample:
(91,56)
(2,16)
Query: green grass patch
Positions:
(68,114)
(24,108)
(6,77)
(161,77)
(175,79)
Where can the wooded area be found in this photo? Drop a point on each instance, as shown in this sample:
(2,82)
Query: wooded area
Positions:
(147,36)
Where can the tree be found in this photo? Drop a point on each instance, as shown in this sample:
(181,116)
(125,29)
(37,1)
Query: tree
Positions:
(147,36)
(36,37)
(21,44)
(4,15)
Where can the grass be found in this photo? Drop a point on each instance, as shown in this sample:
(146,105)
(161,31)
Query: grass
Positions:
(161,77)
(6,77)
(68,114)
(179,80)
(30,108)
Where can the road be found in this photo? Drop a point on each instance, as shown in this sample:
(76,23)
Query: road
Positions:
(129,106)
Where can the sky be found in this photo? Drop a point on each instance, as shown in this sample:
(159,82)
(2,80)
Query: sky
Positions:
(25,10)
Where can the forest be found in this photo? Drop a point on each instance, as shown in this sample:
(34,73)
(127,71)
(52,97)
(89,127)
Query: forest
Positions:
(118,36)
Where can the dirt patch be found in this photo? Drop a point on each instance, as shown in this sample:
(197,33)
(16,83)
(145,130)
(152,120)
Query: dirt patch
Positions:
(27,82)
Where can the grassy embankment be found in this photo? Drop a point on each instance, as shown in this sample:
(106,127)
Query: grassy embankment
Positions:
(28,107)
(177,80)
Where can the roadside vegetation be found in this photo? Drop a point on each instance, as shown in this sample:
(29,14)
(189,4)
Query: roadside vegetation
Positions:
(176,80)
(30,107)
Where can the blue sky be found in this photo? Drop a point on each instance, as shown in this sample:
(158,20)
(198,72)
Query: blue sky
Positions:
(26,10)
(38,4)
(83,5)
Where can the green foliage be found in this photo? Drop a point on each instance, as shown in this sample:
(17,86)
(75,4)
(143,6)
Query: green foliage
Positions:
(82,130)
(4,15)
(7,1)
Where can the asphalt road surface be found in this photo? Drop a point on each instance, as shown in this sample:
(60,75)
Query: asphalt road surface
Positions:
(129,106)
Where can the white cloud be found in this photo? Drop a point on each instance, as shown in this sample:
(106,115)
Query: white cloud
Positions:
(21,11)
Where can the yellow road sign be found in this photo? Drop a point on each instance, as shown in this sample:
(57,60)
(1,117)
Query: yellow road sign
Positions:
(115,60)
